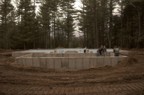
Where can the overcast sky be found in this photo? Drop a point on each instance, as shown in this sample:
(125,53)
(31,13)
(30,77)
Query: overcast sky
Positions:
(78,4)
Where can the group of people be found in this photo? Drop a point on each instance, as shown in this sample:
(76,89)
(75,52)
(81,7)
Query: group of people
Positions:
(102,51)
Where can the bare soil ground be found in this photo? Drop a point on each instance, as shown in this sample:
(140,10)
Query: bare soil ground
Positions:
(127,78)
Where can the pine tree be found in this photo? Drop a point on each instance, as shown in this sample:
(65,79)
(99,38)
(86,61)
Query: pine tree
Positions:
(5,13)
(133,23)
(26,24)
(97,22)
(94,22)
(68,11)
(47,14)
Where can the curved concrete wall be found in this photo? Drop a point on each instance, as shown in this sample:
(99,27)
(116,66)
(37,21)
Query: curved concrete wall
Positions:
(68,63)
(69,60)
(57,51)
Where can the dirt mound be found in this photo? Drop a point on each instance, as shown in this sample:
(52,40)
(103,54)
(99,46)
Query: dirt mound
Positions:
(134,57)
(128,61)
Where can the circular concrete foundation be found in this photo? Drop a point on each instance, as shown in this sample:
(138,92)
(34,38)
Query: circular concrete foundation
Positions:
(68,60)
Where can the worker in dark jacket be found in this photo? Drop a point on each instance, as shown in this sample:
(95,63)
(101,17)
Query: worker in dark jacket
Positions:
(116,51)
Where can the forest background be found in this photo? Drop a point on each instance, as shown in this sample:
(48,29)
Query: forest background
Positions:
(58,24)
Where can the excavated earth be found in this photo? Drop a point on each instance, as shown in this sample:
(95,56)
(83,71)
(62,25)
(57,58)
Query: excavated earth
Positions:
(127,78)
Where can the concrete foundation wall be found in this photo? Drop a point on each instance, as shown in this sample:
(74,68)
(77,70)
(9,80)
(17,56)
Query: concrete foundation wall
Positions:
(63,55)
(68,63)
(18,54)
(65,59)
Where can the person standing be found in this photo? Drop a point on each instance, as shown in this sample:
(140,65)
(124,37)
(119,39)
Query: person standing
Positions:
(104,50)
(85,49)
(116,51)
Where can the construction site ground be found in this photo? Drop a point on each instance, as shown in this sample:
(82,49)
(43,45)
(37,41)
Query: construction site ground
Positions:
(127,78)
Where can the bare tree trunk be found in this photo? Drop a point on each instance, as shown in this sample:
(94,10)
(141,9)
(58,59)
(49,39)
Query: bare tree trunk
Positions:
(6,42)
(110,22)
(139,29)
(54,34)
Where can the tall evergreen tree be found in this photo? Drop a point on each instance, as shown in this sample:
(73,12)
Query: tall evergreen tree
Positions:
(68,11)
(26,24)
(57,15)
(47,12)
(5,14)
(133,20)
(97,22)
(94,22)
